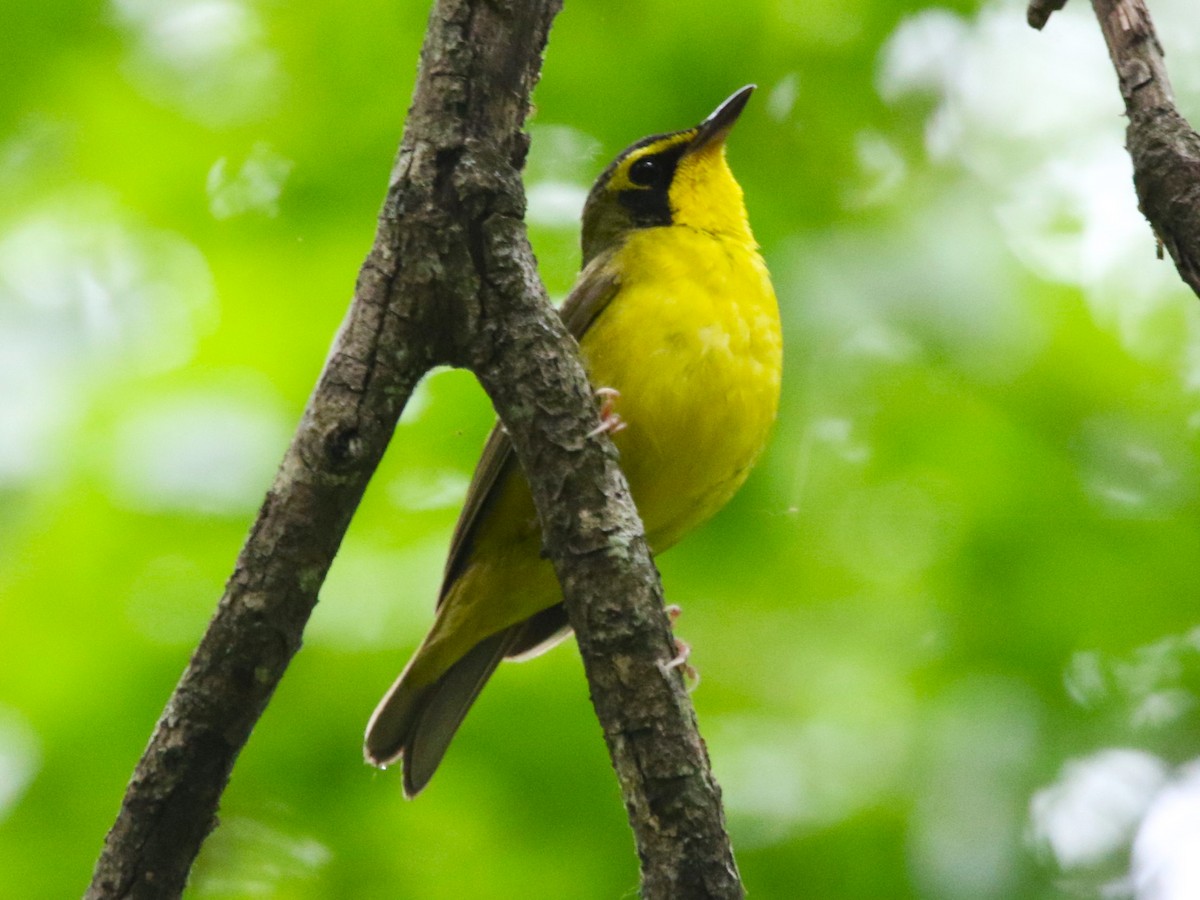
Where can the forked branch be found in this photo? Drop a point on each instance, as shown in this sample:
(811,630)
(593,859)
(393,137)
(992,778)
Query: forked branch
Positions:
(450,279)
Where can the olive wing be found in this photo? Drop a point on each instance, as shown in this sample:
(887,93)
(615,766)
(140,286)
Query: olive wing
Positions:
(595,289)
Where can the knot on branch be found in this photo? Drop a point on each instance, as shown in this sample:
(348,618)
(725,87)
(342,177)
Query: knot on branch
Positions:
(343,447)
(337,449)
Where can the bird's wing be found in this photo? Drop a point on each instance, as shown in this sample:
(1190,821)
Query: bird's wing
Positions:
(417,718)
(591,294)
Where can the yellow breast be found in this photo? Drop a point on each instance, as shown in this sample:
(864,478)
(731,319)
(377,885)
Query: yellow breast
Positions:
(692,342)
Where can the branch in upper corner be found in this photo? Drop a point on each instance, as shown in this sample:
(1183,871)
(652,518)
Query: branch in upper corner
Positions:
(1040,11)
(1164,148)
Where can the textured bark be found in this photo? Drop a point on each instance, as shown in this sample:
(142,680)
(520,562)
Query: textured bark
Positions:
(1164,148)
(450,279)
(415,294)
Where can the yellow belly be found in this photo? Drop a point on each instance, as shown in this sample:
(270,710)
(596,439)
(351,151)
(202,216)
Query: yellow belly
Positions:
(692,343)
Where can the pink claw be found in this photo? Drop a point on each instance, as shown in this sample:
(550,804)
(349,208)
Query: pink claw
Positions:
(610,422)
(683,651)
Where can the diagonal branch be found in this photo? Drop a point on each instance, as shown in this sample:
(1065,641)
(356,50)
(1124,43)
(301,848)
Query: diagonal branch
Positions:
(414,296)
(449,279)
(1164,148)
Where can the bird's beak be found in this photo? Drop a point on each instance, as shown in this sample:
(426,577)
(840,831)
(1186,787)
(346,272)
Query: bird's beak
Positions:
(714,129)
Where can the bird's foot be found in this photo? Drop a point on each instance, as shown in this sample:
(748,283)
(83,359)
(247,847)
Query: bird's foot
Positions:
(610,422)
(683,651)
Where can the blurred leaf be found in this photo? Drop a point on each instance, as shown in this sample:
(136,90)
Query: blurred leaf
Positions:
(947,632)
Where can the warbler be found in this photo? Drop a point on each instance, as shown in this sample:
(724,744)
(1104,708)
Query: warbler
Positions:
(677,321)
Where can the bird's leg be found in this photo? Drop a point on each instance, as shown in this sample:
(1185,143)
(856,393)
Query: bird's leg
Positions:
(683,651)
(610,422)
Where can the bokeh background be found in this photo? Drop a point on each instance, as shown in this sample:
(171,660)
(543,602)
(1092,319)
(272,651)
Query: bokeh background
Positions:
(948,633)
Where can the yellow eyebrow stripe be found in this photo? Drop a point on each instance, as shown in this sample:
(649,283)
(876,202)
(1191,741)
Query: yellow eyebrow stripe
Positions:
(620,178)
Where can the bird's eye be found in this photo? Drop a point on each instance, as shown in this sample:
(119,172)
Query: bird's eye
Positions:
(644,171)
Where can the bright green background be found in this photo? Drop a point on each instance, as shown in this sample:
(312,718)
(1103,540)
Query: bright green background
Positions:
(948,632)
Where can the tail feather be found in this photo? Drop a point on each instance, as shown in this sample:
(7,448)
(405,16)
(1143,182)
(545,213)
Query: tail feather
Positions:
(538,633)
(416,723)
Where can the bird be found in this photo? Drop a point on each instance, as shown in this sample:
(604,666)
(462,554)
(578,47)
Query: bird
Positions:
(678,328)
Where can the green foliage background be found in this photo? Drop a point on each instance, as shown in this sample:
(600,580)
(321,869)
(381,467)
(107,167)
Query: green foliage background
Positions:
(948,632)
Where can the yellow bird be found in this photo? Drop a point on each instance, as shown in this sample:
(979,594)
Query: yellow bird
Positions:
(674,311)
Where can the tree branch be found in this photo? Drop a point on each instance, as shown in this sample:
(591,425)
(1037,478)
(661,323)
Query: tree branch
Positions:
(411,292)
(450,278)
(1164,148)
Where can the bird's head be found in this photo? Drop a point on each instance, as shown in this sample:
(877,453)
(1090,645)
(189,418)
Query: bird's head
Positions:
(670,179)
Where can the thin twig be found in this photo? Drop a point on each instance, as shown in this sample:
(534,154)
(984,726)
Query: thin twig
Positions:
(1040,11)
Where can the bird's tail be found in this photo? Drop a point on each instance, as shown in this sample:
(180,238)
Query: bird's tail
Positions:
(417,718)
(416,722)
